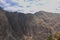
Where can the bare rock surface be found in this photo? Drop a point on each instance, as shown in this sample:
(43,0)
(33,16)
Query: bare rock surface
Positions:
(20,26)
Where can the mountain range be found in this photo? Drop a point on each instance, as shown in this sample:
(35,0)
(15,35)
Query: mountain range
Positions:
(20,26)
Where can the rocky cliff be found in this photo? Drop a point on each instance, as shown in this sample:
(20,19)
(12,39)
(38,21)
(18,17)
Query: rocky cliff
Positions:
(20,26)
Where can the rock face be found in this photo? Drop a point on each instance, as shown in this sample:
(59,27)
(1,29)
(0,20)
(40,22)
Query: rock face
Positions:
(20,26)
(4,26)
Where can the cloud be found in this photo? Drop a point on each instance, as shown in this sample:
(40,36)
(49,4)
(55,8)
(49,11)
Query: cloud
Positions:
(31,6)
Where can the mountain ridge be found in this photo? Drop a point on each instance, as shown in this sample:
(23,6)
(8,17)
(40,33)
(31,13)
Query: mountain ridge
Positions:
(20,26)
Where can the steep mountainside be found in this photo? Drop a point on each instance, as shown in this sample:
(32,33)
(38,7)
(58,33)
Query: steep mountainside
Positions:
(20,26)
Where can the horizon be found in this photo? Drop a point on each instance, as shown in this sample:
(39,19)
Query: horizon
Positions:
(23,12)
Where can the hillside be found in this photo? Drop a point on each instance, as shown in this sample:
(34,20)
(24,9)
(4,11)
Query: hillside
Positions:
(20,26)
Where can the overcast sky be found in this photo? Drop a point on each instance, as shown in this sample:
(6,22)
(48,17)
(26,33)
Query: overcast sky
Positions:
(31,6)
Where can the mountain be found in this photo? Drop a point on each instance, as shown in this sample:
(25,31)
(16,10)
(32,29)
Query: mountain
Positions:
(20,26)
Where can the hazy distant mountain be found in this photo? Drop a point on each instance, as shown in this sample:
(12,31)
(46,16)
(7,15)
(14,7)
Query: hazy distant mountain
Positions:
(20,26)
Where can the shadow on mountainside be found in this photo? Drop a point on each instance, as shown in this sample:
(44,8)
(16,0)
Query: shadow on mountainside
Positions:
(20,26)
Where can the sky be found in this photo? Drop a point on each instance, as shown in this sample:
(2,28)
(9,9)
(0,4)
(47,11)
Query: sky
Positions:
(31,6)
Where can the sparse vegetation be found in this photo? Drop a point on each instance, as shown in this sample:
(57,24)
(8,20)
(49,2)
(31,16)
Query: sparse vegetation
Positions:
(36,26)
(50,38)
(56,36)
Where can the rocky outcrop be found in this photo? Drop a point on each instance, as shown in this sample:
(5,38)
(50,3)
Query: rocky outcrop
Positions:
(4,26)
(20,26)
